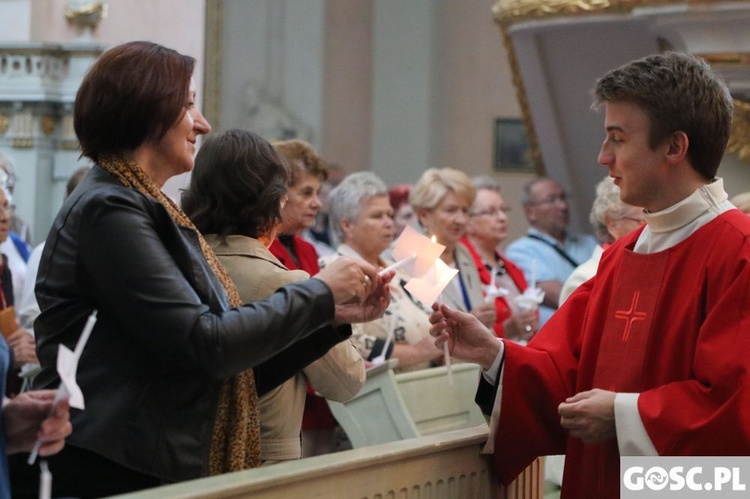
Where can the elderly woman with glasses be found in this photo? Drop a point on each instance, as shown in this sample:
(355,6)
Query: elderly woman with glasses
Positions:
(362,219)
(486,230)
(442,199)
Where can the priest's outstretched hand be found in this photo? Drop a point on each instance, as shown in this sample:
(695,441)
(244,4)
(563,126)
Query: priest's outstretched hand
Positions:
(468,339)
(589,415)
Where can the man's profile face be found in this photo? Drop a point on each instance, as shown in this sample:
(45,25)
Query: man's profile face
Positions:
(548,211)
(641,173)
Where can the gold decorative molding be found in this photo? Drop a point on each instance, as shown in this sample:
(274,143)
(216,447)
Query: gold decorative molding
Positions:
(727,60)
(22,143)
(739,138)
(86,15)
(4,124)
(508,12)
(68,145)
(523,101)
(48,125)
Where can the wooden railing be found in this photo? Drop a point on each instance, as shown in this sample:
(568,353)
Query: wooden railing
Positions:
(441,466)
(414,434)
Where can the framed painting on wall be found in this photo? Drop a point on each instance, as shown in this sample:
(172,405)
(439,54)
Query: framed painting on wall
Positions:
(512,152)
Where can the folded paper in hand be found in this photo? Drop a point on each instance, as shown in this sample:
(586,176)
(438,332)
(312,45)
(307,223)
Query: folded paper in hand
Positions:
(416,252)
(428,288)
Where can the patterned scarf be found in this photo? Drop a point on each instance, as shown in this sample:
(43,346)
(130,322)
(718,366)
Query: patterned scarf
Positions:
(235,442)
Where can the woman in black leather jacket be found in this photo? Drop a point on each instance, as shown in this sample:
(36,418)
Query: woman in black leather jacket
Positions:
(166,374)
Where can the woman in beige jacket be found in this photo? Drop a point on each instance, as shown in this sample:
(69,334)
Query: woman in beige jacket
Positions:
(236,194)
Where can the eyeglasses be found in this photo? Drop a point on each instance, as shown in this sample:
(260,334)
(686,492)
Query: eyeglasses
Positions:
(491,211)
(552,199)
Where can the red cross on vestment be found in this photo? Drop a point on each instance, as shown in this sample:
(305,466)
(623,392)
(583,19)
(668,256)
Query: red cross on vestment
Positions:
(630,316)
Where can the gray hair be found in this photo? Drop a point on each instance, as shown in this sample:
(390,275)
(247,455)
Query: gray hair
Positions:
(607,205)
(346,200)
(486,182)
(526,194)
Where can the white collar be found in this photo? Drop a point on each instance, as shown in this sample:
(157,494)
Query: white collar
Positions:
(707,198)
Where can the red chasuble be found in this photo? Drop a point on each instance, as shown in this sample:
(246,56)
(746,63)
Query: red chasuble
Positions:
(673,326)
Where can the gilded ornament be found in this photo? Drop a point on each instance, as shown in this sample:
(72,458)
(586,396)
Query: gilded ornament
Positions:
(739,138)
(508,12)
(85,14)
(727,60)
(48,125)
(22,143)
(68,145)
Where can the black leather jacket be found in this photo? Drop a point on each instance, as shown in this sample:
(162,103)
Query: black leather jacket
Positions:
(165,337)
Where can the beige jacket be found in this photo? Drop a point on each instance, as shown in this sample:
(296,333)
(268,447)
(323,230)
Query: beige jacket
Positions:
(338,375)
(468,278)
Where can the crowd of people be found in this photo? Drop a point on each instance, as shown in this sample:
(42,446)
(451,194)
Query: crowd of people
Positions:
(225,322)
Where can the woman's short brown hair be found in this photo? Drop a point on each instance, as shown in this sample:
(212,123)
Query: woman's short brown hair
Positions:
(301,158)
(237,186)
(135,92)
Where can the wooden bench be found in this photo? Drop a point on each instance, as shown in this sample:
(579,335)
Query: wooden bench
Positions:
(411,412)
(392,407)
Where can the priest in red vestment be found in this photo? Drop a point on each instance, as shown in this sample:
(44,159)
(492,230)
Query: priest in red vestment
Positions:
(650,357)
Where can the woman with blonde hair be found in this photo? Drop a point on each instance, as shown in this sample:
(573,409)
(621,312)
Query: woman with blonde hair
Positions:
(442,199)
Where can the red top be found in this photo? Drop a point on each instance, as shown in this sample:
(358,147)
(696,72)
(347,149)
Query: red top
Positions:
(501,304)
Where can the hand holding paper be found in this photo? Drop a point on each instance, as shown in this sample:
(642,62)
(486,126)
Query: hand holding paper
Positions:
(67,365)
(492,290)
(530,299)
(428,288)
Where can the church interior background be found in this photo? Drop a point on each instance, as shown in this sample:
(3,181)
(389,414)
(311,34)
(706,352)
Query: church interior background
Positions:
(384,85)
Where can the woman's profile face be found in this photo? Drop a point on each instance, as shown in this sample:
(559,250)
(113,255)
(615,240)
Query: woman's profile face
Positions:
(176,150)
(302,204)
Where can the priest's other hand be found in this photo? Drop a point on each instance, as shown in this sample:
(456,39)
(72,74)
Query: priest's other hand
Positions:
(589,415)
(31,416)
(468,339)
